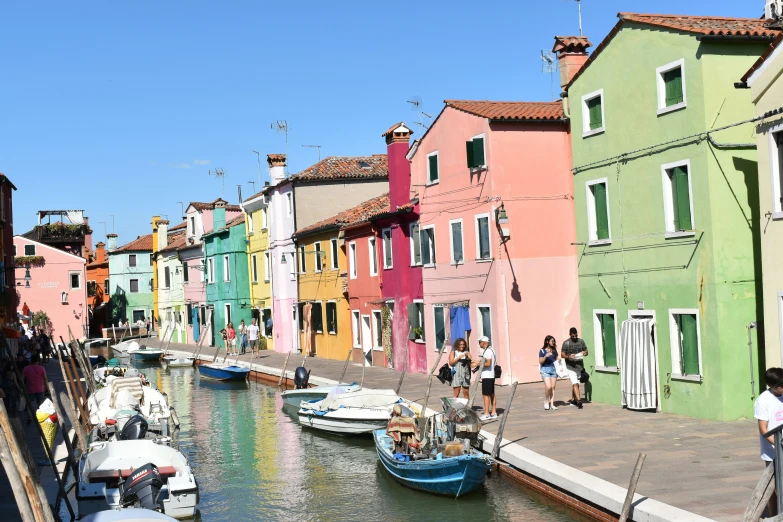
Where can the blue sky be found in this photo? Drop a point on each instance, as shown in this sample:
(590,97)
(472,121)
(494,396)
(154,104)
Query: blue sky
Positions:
(122,108)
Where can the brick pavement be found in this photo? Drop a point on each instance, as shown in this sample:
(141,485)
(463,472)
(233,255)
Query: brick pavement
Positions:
(706,467)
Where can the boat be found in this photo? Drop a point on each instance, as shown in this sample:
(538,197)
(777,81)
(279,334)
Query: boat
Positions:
(102,373)
(127,515)
(445,462)
(139,473)
(121,349)
(145,353)
(178,362)
(355,413)
(224,372)
(126,396)
(317,393)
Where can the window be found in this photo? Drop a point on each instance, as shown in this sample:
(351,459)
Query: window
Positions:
(357,339)
(485,321)
(267,268)
(386,237)
(416,321)
(475,152)
(202,272)
(289,200)
(301,316)
(211,267)
(249,224)
(670,81)
(266,326)
(440,326)
(29,250)
(677,201)
(455,241)
(291,265)
(318,259)
(483,250)
(598,211)
(263,218)
(302,261)
(432,168)
(150,284)
(167,277)
(427,240)
(254,267)
(226,274)
(227,311)
(132,260)
(152,260)
(189,313)
(317,317)
(106,286)
(333,251)
(76,280)
(134,286)
(185,272)
(331,317)
(352,259)
(776,170)
(415,244)
(685,343)
(593,113)
(604,327)
(377,330)
(372,252)
(193,225)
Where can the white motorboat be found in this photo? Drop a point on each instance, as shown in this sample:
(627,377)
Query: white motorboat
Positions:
(144,353)
(317,393)
(102,373)
(362,411)
(121,349)
(138,473)
(128,394)
(127,515)
(178,362)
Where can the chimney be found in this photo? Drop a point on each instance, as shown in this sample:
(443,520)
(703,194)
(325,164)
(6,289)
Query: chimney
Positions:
(87,237)
(112,238)
(571,55)
(773,9)
(163,234)
(397,138)
(100,252)
(276,167)
(218,214)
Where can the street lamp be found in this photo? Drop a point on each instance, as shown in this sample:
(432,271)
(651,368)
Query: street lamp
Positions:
(501,220)
(27,277)
(64,297)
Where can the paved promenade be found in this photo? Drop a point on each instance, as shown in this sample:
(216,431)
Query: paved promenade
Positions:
(706,467)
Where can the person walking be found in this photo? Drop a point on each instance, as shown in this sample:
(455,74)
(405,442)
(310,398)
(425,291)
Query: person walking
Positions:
(574,350)
(546,358)
(460,360)
(768,411)
(252,336)
(231,339)
(487,379)
(35,382)
(242,336)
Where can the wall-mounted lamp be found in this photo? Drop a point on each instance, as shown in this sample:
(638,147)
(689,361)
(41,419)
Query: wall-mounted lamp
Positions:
(501,219)
(64,297)
(283,261)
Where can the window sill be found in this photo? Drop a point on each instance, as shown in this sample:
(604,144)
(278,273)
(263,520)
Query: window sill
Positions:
(777,215)
(672,108)
(357,346)
(476,170)
(416,265)
(457,263)
(255,282)
(607,369)
(676,235)
(687,378)
(266,280)
(332,333)
(377,348)
(599,242)
(431,183)
(419,341)
(587,134)
(388,267)
(487,260)
(250,233)
(374,275)
(334,269)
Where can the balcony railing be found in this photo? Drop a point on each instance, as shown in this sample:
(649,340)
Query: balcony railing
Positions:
(61,232)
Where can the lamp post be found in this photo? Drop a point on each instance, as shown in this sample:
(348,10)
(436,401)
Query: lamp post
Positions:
(27,277)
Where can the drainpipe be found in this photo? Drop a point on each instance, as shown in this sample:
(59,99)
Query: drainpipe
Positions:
(751,326)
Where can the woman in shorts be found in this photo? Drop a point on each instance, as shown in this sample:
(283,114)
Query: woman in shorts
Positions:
(546,358)
(460,360)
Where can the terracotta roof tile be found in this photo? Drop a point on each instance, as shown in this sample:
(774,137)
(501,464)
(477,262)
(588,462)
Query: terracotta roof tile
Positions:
(362,212)
(499,110)
(209,206)
(179,226)
(345,167)
(175,241)
(571,44)
(140,244)
(763,58)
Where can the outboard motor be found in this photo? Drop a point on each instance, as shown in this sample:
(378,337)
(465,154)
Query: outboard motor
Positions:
(301,377)
(462,422)
(142,488)
(134,429)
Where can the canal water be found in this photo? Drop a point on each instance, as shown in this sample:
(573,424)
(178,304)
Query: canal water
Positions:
(254,462)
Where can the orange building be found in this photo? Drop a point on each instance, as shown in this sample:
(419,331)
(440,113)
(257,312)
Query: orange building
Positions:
(98,293)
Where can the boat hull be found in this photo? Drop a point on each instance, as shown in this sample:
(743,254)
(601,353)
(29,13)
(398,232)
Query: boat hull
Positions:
(179,362)
(334,423)
(295,397)
(144,355)
(453,476)
(224,373)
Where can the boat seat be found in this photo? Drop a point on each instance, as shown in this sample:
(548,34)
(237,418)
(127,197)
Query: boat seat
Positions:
(112,475)
(131,384)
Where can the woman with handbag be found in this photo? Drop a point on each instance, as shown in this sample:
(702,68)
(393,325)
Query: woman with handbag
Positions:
(547,357)
(460,360)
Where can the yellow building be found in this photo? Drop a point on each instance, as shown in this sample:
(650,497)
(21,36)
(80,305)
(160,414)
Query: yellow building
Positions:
(259,265)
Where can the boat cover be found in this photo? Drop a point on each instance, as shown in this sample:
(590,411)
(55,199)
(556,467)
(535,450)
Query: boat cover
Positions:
(363,398)
(129,384)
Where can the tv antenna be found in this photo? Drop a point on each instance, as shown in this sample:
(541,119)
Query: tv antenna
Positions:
(258,155)
(281,126)
(104,227)
(579,10)
(416,105)
(182,209)
(253,184)
(239,192)
(549,65)
(221,175)
(315,147)
(112,223)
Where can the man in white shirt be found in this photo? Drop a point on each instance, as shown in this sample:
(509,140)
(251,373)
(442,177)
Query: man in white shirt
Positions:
(252,336)
(768,410)
(487,379)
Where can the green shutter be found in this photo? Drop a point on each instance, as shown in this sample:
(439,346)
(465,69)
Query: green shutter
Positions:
(483,226)
(672,80)
(689,344)
(420,317)
(601,211)
(456,241)
(609,339)
(416,244)
(594,113)
(478,152)
(681,199)
(469,150)
(440,327)
(433,168)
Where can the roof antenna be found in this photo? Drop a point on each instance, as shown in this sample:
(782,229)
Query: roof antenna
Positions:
(549,65)
(579,10)
(182,209)
(239,191)
(282,126)
(416,104)
(258,155)
(315,147)
(218,173)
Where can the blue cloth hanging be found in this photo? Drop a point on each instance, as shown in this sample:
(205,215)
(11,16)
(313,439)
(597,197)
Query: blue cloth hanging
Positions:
(460,322)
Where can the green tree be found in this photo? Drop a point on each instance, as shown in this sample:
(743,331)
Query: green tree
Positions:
(41,321)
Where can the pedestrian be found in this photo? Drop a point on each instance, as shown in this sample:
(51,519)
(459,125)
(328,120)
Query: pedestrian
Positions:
(231,339)
(460,360)
(10,388)
(35,382)
(768,410)
(242,336)
(546,358)
(487,378)
(252,336)
(46,347)
(21,361)
(574,351)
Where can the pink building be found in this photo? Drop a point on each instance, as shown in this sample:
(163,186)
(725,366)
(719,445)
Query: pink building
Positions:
(514,280)
(57,286)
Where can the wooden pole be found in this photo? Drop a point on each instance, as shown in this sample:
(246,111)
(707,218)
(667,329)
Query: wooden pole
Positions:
(81,434)
(474,386)
(71,386)
(197,352)
(67,380)
(345,366)
(78,383)
(15,479)
(61,422)
(499,436)
(760,496)
(429,381)
(364,365)
(282,375)
(637,470)
(404,368)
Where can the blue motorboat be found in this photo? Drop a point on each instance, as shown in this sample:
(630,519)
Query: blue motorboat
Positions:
(452,476)
(224,372)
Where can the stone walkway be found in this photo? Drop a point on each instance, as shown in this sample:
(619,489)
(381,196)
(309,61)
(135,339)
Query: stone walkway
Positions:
(702,466)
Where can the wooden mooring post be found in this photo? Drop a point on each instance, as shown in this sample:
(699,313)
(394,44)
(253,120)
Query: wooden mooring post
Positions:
(282,374)
(637,471)
(761,495)
(474,386)
(345,366)
(404,369)
(499,436)
(429,383)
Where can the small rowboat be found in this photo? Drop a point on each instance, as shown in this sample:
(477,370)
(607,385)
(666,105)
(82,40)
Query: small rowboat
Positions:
(224,372)
(295,397)
(145,353)
(178,362)
(355,413)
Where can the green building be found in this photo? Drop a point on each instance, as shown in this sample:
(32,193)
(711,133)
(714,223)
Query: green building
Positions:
(667,212)
(130,278)
(228,281)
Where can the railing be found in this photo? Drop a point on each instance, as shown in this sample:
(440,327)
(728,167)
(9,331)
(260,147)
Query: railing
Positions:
(61,232)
